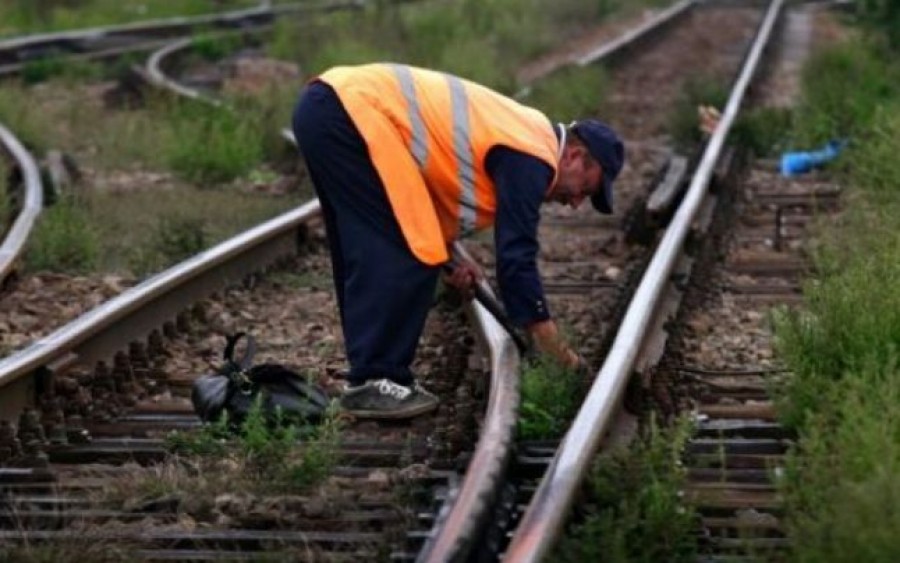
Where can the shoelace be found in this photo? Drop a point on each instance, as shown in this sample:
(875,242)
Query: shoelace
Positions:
(388,387)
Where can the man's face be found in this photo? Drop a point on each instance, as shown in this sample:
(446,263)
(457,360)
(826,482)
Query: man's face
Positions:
(579,177)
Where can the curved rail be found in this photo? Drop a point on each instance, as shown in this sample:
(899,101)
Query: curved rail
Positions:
(157,76)
(546,514)
(160,79)
(17,236)
(469,507)
(30,47)
(462,516)
(134,313)
(112,41)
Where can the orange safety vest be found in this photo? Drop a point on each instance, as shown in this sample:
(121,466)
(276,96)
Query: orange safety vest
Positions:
(428,134)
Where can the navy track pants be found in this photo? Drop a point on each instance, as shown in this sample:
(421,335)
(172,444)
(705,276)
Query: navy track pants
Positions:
(383,291)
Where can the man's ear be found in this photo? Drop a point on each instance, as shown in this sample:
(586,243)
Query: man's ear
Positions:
(572,152)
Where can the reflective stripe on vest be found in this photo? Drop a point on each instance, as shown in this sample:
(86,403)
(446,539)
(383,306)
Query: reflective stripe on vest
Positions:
(428,136)
(462,146)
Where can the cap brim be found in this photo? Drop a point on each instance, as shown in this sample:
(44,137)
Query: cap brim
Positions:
(603,199)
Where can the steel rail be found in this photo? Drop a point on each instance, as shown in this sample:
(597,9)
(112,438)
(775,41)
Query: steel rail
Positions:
(262,12)
(468,510)
(462,516)
(547,512)
(630,37)
(35,46)
(615,47)
(17,236)
(133,314)
(160,79)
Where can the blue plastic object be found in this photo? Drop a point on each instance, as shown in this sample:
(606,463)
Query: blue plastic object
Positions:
(795,163)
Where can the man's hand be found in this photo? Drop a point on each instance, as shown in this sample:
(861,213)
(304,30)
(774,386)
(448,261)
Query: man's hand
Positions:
(547,339)
(463,275)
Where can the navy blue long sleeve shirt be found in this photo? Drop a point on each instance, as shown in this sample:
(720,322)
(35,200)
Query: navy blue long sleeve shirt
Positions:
(521,182)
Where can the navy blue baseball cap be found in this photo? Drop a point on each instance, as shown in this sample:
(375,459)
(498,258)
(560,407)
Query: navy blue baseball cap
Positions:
(607,149)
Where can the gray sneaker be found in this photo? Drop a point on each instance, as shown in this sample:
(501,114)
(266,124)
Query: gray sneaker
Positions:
(382,398)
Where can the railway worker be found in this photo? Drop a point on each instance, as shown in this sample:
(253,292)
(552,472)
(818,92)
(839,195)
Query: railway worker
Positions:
(406,160)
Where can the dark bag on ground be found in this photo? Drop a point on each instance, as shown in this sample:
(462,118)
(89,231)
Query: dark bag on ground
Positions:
(238,385)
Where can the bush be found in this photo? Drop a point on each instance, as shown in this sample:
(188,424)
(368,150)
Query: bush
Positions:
(63,241)
(635,511)
(272,457)
(213,145)
(551,395)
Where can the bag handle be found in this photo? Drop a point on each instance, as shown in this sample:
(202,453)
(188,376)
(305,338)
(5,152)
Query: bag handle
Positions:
(231,343)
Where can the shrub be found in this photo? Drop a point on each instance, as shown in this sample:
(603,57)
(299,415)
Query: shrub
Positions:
(635,511)
(551,396)
(63,241)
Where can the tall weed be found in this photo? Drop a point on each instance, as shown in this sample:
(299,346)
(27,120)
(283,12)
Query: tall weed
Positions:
(884,16)
(484,40)
(63,241)
(28,126)
(271,456)
(635,510)
(211,145)
(695,92)
(551,395)
(843,89)
(841,486)
(571,93)
(841,483)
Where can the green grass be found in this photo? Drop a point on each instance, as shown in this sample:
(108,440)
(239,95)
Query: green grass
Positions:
(64,240)
(180,222)
(271,456)
(882,16)
(571,93)
(842,346)
(633,510)
(483,40)
(842,484)
(551,395)
(844,90)
(142,217)
(209,145)
(31,16)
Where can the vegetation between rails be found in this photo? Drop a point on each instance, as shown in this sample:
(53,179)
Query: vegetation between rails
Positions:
(840,485)
(634,510)
(258,458)
(551,395)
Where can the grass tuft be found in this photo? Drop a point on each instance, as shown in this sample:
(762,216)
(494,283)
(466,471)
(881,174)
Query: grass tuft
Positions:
(258,457)
(842,347)
(64,240)
(551,395)
(635,511)
(571,93)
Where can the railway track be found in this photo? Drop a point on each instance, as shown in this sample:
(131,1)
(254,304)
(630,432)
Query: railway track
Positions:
(97,396)
(114,41)
(103,43)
